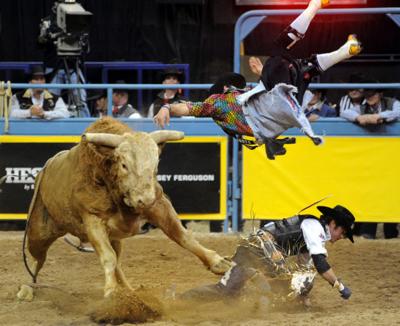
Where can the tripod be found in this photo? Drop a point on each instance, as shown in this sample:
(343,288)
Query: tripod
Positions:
(68,71)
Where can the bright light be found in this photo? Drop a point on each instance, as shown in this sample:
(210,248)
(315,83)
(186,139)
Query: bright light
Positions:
(296,2)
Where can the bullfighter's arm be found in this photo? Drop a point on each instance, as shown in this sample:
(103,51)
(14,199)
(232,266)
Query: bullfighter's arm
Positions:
(328,274)
(163,116)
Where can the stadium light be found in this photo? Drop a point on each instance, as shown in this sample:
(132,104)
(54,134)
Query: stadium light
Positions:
(296,2)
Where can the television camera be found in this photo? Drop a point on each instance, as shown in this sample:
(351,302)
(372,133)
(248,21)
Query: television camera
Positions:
(67,27)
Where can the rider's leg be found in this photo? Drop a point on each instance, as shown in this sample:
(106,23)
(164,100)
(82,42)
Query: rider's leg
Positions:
(297,29)
(346,51)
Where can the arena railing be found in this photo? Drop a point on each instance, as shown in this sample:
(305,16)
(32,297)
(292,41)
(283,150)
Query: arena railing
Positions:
(195,126)
(245,24)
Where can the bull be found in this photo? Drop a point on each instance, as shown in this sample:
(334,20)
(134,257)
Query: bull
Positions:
(103,190)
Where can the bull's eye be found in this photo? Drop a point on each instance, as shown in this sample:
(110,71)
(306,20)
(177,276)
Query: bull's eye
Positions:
(124,166)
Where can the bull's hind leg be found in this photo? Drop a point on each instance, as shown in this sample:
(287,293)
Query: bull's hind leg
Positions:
(164,216)
(98,237)
(41,233)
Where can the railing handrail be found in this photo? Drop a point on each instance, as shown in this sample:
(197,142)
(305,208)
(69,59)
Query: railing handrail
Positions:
(196,86)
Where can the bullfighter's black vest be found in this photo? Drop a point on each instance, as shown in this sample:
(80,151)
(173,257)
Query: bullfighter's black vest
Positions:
(288,235)
(25,100)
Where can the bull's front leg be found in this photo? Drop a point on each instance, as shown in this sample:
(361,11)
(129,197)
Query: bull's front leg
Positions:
(98,237)
(163,215)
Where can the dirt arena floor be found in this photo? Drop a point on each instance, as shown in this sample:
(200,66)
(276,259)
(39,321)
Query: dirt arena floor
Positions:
(71,285)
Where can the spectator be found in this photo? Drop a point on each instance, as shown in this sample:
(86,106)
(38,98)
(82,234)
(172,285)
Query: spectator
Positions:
(99,107)
(121,107)
(38,103)
(318,106)
(350,105)
(377,108)
(167,96)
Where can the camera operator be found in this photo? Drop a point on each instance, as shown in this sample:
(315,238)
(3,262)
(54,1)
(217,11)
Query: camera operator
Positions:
(64,49)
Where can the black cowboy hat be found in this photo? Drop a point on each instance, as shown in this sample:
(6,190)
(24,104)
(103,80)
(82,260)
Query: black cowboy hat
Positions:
(357,77)
(371,91)
(36,70)
(96,94)
(172,72)
(120,90)
(228,79)
(342,216)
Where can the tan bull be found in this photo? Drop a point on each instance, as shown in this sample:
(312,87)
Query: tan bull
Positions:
(103,190)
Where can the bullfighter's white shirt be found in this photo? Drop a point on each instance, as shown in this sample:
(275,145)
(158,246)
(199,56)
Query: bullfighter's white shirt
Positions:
(315,236)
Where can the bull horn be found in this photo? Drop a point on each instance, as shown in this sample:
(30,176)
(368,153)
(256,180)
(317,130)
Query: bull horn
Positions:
(109,140)
(161,136)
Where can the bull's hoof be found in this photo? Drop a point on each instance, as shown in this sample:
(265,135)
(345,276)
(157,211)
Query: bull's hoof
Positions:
(25,293)
(222,266)
(124,306)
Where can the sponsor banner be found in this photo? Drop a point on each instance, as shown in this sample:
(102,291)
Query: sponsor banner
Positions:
(192,173)
(361,173)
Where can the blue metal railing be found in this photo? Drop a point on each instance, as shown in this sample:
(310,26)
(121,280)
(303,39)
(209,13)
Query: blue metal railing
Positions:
(106,67)
(110,87)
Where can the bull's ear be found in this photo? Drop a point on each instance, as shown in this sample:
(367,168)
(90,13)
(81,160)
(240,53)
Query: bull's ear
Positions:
(162,136)
(109,140)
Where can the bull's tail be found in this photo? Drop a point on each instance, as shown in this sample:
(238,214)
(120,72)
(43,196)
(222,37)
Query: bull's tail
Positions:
(31,206)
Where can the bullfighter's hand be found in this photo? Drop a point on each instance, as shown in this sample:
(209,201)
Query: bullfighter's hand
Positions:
(37,111)
(161,119)
(344,291)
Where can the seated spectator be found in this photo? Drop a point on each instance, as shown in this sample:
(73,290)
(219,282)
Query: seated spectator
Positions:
(121,107)
(378,109)
(38,103)
(167,96)
(318,106)
(350,105)
(99,107)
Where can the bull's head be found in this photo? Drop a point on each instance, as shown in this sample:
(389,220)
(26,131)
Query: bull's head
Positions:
(134,163)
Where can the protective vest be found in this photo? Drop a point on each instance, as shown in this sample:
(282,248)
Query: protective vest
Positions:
(288,234)
(386,105)
(25,100)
